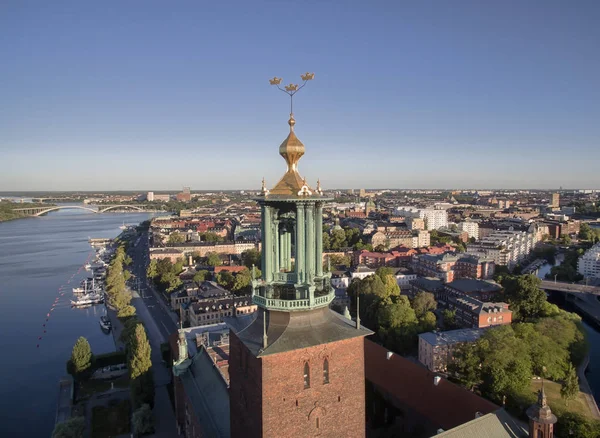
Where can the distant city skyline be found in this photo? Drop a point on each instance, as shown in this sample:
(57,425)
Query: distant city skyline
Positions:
(427,95)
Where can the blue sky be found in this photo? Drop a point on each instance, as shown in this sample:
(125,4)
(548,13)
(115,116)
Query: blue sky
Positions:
(157,95)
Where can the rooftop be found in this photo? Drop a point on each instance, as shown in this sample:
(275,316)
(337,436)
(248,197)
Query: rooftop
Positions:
(452,336)
(470,285)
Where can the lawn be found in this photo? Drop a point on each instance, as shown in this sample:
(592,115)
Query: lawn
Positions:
(111,420)
(93,386)
(556,403)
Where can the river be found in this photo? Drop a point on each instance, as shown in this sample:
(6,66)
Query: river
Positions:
(37,257)
(593,336)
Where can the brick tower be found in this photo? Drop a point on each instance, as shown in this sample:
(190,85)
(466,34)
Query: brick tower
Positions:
(541,418)
(297,369)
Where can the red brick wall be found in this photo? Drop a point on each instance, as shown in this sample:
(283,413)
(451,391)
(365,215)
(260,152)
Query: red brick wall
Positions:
(289,410)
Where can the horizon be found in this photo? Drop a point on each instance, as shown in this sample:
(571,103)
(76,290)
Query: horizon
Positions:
(467,96)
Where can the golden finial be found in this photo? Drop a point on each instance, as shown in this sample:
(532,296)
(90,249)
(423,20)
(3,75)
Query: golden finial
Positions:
(292,89)
(291,122)
(319,189)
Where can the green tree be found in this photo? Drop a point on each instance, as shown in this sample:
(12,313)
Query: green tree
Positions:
(213,259)
(80,364)
(225,279)
(143,420)
(506,363)
(139,354)
(423,302)
(570,387)
(526,298)
(574,425)
(337,259)
(126,311)
(200,276)
(449,319)
(171,281)
(72,428)
(338,240)
(548,358)
(326,241)
(142,390)
(464,366)
(384,271)
(427,322)
(251,257)
(398,325)
(175,238)
(152,271)
(242,280)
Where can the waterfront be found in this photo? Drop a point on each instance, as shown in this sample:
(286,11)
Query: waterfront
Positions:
(37,257)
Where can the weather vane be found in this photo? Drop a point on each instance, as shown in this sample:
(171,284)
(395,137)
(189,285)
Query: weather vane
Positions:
(292,89)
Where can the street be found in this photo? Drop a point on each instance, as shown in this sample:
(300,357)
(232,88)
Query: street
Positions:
(160,323)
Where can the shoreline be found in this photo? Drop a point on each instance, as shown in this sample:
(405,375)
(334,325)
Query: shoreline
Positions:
(585,388)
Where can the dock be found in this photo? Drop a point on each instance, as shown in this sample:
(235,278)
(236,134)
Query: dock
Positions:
(100,242)
(65,399)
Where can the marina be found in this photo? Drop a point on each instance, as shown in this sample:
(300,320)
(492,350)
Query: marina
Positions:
(36,315)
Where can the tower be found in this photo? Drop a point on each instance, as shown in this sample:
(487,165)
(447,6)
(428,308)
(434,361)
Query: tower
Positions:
(297,369)
(541,418)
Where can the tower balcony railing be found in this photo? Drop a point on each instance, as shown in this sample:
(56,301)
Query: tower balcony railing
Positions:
(293,305)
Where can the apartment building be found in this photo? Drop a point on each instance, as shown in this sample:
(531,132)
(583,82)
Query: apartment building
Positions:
(505,248)
(450,266)
(436,349)
(472,228)
(589,263)
(432,218)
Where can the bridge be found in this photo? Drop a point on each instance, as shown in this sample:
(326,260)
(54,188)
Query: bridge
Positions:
(39,211)
(571,288)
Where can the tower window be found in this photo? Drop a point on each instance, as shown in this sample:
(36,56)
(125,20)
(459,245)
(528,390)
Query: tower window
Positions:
(306,376)
(325,371)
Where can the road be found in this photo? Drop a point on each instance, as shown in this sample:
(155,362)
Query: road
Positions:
(160,323)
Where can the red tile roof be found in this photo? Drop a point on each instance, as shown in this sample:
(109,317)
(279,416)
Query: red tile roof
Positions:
(446,405)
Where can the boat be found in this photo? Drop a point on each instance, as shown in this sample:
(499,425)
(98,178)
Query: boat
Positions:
(88,300)
(105,323)
(123,227)
(88,286)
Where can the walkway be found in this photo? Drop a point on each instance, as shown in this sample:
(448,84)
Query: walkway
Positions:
(584,387)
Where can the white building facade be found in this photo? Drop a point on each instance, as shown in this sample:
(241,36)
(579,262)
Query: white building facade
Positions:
(589,263)
(506,248)
(472,228)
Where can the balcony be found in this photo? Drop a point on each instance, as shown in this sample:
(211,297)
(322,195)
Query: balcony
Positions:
(293,305)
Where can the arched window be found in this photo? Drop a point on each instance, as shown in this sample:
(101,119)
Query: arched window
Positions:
(325,371)
(306,375)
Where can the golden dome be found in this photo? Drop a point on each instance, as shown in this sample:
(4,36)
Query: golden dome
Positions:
(291,150)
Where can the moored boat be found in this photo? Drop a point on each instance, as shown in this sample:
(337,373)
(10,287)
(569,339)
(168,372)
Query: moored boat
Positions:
(88,300)
(105,323)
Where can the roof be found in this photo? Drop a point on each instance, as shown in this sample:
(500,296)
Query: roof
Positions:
(498,424)
(208,394)
(429,284)
(412,386)
(452,336)
(470,285)
(287,331)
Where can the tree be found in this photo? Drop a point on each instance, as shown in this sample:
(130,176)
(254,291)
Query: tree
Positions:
(126,311)
(142,390)
(171,281)
(213,259)
(200,276)
(175,238)
(397,325)
(139,354)
(251,258)
(449,319)
(526,298)
(570,387)
(464,366)
(338,239)
(423,302)
(326,241)
(384,271)
(72,428)
(143,421)
(152,271)
(337,259)
(427,322)
(81,359)
(225,279)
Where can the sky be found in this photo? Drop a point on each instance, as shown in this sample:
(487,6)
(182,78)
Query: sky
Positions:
(157,95)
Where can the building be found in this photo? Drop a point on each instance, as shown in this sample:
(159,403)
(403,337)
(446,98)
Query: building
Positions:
(472,229)
(166,253)
(484,290)
(450,266)
(162,198)
(435,349)
(471,312)
(298,366)
(541,418)
(415,223)
(150,196)
(505,247)
(588,264)
(432,218)
(360,272)
(555,203)
(214,311)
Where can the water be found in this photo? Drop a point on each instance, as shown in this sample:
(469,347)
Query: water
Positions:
(37,256)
